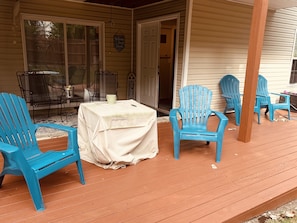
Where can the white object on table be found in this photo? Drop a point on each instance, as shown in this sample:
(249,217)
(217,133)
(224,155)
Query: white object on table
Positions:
(116,135)
(111,98)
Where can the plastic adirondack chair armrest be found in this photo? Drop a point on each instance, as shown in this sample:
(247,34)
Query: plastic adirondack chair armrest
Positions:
(285,96)
(220,115)
(7,148)
(257,102)
(223,120)
(173,118)
(71,131)
(279,94)
(226,96)
(261,95)
(16,154)
(56,126)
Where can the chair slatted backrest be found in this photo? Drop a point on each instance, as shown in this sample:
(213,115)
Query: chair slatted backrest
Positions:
(76,75)
(195,102)
(262,90)
(34,87)
(229,85)
(16,126)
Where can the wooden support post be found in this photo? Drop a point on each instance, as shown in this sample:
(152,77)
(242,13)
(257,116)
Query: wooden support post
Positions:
(253,63)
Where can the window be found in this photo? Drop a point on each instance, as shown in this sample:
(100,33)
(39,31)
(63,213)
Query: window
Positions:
(72,49)
(293,78)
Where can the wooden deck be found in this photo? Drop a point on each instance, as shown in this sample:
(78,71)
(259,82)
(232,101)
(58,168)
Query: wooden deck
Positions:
(251,178)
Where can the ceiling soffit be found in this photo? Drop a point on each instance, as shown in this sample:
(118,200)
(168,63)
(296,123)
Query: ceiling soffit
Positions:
(273,4)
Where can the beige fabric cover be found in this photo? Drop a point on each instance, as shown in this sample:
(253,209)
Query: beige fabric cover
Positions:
(116,135)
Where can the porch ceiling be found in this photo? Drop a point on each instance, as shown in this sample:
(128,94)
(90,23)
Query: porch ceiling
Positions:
(123,3)
(273,4)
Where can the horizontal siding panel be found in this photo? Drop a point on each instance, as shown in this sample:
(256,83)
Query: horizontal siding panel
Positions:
(220,6)
(217,38)
(226,19)
(277,50)
(280,28)
(278,42)
(117,20)
(175,6)
(220,39)
(11,58)
(211,24)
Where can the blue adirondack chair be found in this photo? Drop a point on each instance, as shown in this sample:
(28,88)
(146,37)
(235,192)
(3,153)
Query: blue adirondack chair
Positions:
(230,91)
(22,156)
(194,112)
(265,100)
(229,85)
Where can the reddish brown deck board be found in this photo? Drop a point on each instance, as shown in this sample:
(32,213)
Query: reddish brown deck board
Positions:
(252,177)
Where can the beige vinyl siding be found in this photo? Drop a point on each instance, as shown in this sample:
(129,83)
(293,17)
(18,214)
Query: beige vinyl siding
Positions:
(11,58)
(167,8)
(116,20)
(278,48)
(219,45)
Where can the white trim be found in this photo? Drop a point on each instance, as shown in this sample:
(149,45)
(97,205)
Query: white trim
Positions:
(16,11)
(176,62)
(160,18)
(61,19)
(187,39)
(132,42)
(104,5)
(138,47)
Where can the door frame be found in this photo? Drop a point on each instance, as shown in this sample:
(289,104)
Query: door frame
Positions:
(139,24)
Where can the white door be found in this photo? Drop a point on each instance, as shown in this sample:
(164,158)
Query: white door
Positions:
(149,78)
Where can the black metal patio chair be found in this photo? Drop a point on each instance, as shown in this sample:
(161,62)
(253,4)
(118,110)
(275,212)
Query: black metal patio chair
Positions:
(37,90)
